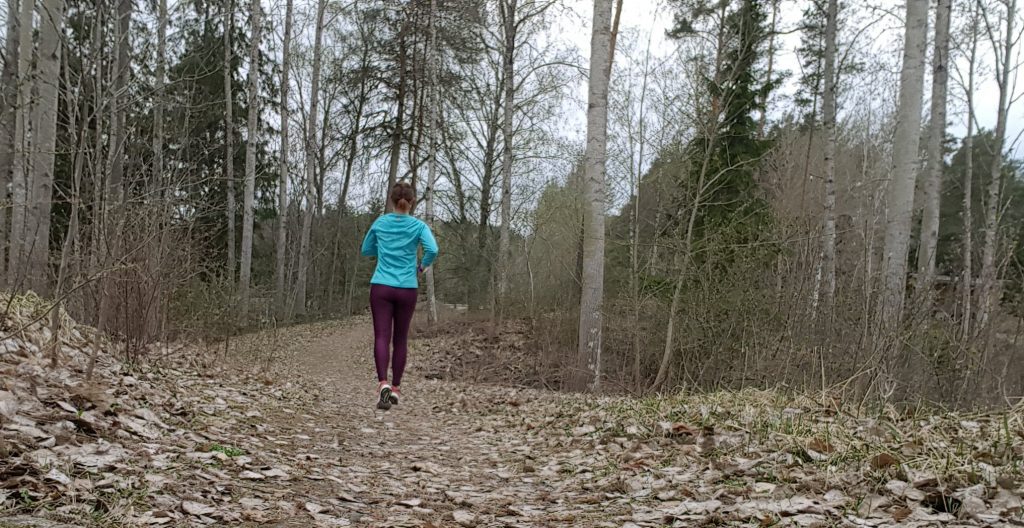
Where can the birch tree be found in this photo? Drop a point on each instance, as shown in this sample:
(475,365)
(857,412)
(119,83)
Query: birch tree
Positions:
(595,206)
(282,183)
(932,184)
(903,173)
(508,14)
(828,108)
(245,275)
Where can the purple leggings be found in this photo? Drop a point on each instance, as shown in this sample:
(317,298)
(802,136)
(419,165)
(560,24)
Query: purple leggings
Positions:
(392,308)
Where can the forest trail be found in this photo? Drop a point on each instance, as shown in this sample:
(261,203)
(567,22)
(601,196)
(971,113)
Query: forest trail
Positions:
(283,431)
(448,455)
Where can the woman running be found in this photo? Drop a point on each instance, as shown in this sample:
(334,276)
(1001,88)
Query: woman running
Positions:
(394,239)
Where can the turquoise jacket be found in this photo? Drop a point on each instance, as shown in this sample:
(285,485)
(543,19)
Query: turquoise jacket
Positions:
(394,239)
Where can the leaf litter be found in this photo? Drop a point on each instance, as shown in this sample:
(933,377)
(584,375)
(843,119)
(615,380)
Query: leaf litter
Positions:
(192,439)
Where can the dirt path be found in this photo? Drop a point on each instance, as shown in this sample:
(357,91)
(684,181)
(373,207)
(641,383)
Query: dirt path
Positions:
(446,456)
(198,441)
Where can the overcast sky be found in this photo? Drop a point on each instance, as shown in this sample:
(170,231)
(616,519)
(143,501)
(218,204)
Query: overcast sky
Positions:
(885,36)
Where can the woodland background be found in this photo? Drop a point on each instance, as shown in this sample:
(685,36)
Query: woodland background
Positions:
(198,168)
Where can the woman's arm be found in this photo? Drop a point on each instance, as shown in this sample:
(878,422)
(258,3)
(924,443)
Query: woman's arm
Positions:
(370,243)
(429,247)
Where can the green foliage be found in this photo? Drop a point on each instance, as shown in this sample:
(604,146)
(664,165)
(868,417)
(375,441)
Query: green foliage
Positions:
(718,165)
(951,225)
(227,450)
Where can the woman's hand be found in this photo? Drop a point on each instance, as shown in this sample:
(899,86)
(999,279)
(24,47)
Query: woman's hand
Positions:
(420,270)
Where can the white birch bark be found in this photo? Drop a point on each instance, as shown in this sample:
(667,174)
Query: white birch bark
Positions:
(932,184)
(828,235)
(906,141)
(248,197)
(508,8)
(595,206)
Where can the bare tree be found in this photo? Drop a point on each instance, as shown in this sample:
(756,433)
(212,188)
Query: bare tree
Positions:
(592,298)
(311,157)
(433,125)
(245,275)
(44,130)
(510,24)
(900,200)
(988,296)
(8,98)
(398,130)
(20,166)
(229,138)
(828,108)
(967,258)
(282,189)
(932,184)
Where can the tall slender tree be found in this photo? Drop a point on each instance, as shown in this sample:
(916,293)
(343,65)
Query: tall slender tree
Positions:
(508,15)
(21,165)
(251,145)
(9,100)
(828,235)
(282,183)
(967,250)
(988,296)
(311,157)
(932,184)
(903,173)
(229,138)
(433,125)
(44,130)
(594,192)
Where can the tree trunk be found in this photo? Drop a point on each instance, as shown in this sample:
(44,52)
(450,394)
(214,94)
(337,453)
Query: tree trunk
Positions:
(282,189)
(508,11)
(8,100)
(396,134)
(900,201)
(592,298)
(114,189)
(967,282)
(229,140)
(71,235)
(159,184)
(311,151)
(44,130)
(21,165)
(432,124)
(988,296)
(771,63)
(828,235)
(932,185)
(637,142)
(245,276)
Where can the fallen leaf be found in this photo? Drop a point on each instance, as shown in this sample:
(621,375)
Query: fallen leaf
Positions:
(197,509)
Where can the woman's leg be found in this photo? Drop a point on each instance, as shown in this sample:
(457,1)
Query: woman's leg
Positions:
(405,306)
(383,313)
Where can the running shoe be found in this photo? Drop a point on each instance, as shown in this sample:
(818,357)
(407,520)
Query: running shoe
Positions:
(384,396)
